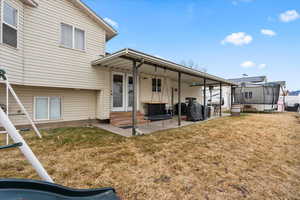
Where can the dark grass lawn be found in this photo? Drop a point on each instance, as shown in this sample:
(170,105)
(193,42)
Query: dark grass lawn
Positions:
(255,156)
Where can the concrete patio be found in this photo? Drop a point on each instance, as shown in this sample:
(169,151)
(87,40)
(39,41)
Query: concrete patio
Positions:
(151,127)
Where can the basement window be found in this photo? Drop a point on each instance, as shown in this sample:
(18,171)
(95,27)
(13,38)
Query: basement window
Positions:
(10,25)
(47,108)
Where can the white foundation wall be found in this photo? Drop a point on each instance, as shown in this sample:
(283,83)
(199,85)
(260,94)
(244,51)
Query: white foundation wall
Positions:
(76,104)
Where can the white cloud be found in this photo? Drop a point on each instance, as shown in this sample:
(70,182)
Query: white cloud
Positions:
(262,66)
(237,39)
(248,64)
(289,16)
(111,22)
(268,32)
(251,64)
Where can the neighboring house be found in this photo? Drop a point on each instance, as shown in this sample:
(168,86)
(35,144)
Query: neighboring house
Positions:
(256,94)
(292,101)
(55,58)
(214,97)
(294,93)
(250,79)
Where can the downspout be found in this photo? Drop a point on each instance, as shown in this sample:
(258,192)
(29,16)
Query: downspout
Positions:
(23,47)
(273,98)
(264,97)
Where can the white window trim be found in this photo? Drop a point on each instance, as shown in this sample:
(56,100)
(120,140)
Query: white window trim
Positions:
(125,90)
(156,86)
(3,22)
(48,117)
(73,37)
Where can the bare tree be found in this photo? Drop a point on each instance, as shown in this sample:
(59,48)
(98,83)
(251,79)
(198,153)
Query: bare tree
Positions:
(192,64)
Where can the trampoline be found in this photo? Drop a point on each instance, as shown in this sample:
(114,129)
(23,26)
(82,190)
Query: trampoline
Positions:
(258,94)
(13,189)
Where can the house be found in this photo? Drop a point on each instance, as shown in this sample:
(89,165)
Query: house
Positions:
(214,97)
(54,53)
(257,94)
(294,93)
(250,79)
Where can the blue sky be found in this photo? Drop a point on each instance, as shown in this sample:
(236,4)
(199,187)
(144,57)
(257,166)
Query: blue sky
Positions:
(226,37)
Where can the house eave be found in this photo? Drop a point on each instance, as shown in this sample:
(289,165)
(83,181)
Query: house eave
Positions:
(32,3)
(110,31)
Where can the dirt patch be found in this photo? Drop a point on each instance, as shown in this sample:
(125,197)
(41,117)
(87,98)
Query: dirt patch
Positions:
(255,156)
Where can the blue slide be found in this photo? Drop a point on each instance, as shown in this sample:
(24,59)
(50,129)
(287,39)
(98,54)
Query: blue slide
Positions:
(24,189)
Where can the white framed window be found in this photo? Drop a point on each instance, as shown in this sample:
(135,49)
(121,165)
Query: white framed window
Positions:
(9,21)
(66,39)
(72,37)
(156,85)
(47,108)
(79,39)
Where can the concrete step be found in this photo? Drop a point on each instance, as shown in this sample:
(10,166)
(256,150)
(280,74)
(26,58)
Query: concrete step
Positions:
(124,114)
(125,118)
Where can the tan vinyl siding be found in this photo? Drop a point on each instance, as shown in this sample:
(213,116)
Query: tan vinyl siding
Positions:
(48,64)
(76,104)
(104,97)
(11,59)
(147,95)
(1,20)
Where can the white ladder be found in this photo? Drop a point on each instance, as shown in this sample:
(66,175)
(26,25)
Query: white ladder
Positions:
(15,135)
(10,90)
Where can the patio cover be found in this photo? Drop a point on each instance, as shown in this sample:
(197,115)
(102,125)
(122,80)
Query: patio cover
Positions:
(123,60)
(138,62)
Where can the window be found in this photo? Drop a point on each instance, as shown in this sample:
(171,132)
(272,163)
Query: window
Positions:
(72,37)
(66,35)
(47,108)
(248,95)
(156,85)
(10,25)
(79,39)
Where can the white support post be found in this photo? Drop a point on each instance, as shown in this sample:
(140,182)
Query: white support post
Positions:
(24,110)
(7,99)
(17,138)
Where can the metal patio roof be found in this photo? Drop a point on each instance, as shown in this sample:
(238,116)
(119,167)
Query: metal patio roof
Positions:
(124,58)
(250,79)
